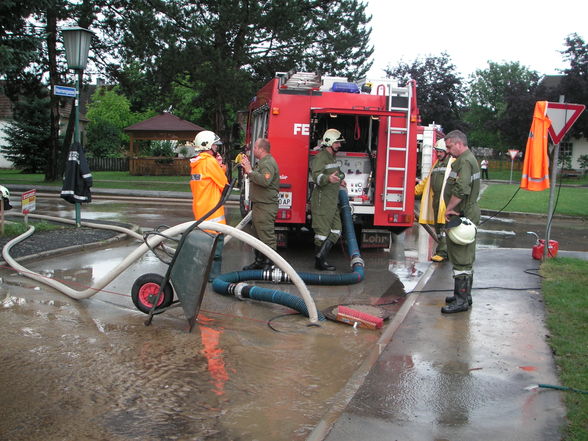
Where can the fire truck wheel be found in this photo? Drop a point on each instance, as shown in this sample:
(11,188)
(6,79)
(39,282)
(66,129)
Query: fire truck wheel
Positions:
(398,230)
(144,293)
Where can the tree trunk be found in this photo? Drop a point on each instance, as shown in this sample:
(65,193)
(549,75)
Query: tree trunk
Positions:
(51,170)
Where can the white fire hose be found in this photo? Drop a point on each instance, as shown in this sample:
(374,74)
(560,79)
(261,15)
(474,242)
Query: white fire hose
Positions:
(152,242)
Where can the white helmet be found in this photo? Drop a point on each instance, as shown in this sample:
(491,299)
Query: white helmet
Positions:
(205,140)
(440,145)
(464,233)
(331,136)
(4,192)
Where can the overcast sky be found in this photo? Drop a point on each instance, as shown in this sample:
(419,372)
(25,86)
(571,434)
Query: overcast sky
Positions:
(473,32)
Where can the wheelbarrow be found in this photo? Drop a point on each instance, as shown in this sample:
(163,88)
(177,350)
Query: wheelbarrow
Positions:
(186,276)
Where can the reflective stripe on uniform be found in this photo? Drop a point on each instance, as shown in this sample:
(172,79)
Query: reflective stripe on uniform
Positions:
(331,165)
(544,178)
(457,273)
(474,177)
(320,237)
(336,232)
(216,219)
(439,170)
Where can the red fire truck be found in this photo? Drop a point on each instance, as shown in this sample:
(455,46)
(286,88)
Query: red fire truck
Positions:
(378,120)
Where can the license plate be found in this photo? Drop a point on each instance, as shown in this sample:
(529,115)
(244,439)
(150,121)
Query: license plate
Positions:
(285,199)
(375,239)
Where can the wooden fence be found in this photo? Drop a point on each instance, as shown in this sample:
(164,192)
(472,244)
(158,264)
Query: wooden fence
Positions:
(108,164)
(151,166)
(504,164)
(155,166)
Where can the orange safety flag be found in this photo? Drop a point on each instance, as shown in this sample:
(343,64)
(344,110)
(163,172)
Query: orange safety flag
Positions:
(535,175)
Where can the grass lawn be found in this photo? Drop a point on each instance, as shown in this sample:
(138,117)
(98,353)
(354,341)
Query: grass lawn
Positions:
(13,229)
(105,180)
(504,175)
(566,302)
(572,201)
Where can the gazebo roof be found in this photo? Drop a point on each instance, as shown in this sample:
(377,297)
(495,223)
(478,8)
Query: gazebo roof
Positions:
(166,122)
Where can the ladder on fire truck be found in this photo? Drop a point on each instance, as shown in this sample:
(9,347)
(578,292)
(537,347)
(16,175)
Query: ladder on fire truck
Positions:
(397,145)
(298,80)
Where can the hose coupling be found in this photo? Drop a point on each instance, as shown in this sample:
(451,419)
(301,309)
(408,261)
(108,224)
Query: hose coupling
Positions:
(356,260)
(238,289)
(279,276)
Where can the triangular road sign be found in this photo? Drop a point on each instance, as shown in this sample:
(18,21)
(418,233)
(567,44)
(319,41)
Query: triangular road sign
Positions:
(562,116)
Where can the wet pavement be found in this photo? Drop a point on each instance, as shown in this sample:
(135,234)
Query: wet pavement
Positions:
(463,376)
(92,370)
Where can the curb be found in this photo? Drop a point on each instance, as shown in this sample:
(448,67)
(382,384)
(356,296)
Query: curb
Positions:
(113,192)
(343,397)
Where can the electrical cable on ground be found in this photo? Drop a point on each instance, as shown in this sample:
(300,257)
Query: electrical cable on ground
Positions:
(500,211)
(553,386)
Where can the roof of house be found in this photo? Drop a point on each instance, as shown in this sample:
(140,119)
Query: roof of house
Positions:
(166,122)
(551,81)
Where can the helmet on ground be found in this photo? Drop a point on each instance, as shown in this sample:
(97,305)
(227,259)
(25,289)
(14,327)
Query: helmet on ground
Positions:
(441,145)
(464,233)
(205,140)
(331,136)
(4,192)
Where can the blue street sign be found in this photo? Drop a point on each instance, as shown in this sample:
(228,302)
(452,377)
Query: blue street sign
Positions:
(65,91)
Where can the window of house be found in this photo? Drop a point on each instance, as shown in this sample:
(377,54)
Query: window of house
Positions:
(565,149)
(565,154)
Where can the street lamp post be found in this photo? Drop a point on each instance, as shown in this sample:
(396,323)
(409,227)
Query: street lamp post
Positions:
(77,44)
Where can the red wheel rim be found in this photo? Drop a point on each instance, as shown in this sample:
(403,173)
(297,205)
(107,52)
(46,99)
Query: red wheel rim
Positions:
(150,290)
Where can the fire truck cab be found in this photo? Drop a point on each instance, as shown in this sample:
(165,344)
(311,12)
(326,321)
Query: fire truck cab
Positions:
(378,120)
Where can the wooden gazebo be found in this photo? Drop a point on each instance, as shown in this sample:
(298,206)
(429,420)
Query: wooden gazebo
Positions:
(160,128)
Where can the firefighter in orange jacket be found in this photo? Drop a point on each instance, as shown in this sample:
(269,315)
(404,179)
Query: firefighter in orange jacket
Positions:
(207,182)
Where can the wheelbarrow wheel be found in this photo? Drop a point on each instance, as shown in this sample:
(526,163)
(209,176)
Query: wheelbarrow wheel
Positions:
(144,293)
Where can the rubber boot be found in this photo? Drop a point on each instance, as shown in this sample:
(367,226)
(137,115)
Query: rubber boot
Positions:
(460,303)
(321,263)
(258,263)
(451,299)
(267,264)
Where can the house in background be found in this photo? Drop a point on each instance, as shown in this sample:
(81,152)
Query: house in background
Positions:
(570,147)
(6,117)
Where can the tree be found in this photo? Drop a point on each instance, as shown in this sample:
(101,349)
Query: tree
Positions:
(439,88)
(29,135)
(19,44)
(109,113)
(25,61)
(575,81)
(222,51)
(500,105)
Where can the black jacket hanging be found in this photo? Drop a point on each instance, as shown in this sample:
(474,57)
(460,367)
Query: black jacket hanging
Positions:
(78,179)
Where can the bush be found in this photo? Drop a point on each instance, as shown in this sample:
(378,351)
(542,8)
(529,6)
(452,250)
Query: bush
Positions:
(583,161)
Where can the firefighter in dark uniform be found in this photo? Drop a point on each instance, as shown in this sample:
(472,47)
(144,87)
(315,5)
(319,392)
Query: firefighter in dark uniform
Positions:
(461,197)
(326,218)
(265,186)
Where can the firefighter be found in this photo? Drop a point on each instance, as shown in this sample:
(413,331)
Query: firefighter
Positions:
(430,189)
(265,186)
(207,182)
(327,177)
(461,197)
